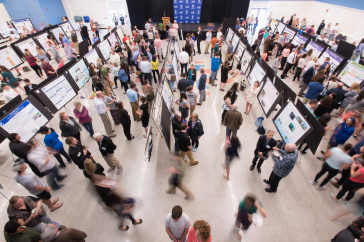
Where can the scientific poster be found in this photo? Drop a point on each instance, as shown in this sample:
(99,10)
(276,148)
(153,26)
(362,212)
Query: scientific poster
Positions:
(80,73)
(245,61)
(353,72)
(42,39)
(167,94)
(316,48)
(4,30)
(235,43)
(229,36)
(92,56)
(59,91)
(105,49)
(299,39)
(24,120)
(280,28)
(239,51)
(120,33)
(257,74)
(112,39)
(28,44)
(291,124)
(66,26)
(267,96)
(273,25)
(335,59)
(23,25)
(56,33)
(9,58)
(290,33)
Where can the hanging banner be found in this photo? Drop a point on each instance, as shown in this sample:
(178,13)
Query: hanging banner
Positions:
(187,11)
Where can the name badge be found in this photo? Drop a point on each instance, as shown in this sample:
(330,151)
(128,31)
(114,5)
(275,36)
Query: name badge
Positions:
(79,154)
(103,148)
(268,147)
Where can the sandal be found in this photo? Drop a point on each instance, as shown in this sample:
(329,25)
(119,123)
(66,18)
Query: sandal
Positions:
(121,228)
(140,221)
(144,136)
(55,201)
(57,207)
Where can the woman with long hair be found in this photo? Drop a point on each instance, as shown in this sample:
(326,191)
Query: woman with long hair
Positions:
(96,84)
(183,104)
(235,89)
(251,96)
(41,54)
(324,106)
(92,168)
(10,79)
(144,114)
(124,120)
(32,61)
(110,102)
(224,75)
(227,104)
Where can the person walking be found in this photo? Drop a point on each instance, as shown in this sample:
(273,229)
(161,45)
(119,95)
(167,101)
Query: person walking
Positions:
(231,152)
(202,86)
(84,118)
(191,75)
(52,233)
(124,120)
(78,152)
(134,101)
(307,78)
(227,104)
(53,144)
(233,120)
(177,224)
(102,111)
(54,52)
(283,165)
(184,143)
(32,61)
(107,148)
(191,98)
(74,40)
(144,115)
(69,126)
(264,146)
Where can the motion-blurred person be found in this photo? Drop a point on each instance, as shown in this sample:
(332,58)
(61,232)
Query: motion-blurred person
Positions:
(81,112)
(231,152)
(14,232)
(92,168)
(177,224)
(51,233)
(264,146)
(354,232)
(107,148)
(8,93)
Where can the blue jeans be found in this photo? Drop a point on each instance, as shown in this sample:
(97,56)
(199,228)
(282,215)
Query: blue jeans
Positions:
(191,82)
(47,220)
(213,75)
(228,132)
(171,84)
(88,127)
(52,176)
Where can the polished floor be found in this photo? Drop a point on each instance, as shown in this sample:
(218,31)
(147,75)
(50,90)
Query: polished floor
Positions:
(297,212)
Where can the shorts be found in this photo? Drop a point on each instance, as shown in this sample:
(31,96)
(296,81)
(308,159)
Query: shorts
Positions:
(44,195)
(159,52)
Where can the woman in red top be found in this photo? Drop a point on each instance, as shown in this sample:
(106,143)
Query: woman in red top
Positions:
(200,232)
(354,183)
(33,63)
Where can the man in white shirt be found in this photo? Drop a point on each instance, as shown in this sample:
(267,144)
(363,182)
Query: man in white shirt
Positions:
(333,31)
(177,224)
(8,92)
(183,58)
(146,70)
(102,111)
(208,41)
(114,58)
(115,19)
(147,27)
(219,33)
(291,60)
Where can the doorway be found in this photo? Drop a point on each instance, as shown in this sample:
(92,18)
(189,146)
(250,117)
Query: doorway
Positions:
(260,13)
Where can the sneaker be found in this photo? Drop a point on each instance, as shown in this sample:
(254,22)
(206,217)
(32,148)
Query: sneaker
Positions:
(333,197)
(320,188)
(313,183)
(63,177)
(194,149)
(110,169)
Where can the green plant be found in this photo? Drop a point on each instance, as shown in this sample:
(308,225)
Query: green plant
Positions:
(160,26)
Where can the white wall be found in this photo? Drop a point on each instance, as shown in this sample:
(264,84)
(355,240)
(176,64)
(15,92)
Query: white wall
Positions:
(4,16)
(351,21)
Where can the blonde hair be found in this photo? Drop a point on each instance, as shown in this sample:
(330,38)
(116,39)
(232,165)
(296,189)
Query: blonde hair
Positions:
(61,115)
(107,90)
(195,115)
(90,167)
(315,58)
(116,64)
(355,87)
(39,50)
(26,53)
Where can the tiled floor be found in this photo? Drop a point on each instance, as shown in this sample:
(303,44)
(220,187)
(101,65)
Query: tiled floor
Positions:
(297,212)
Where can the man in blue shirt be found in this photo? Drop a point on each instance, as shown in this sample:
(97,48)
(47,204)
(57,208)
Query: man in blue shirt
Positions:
(215,65)
(134,101)
(202,86)
(134,58)
(283,165)
(314,89)
(65,39)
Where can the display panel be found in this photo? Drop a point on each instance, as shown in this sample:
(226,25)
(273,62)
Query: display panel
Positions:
(235,43)
(291,124)
(245,61)
(25,120)
(112,39)
(42,39)
(299,40)
(290,33)
(9,58)
(59,92)
(280,28)
(240,51)
(353,72)
(4,30)
(80,73)
(316,48)
(273,25)
(56,33)
(256,74)
(335,59)
(27,44)
(120,34)
(67,27)
(167,94)
(92,56)
(268,97)
(105,49)
(285,90)
(23,25)
(229,36)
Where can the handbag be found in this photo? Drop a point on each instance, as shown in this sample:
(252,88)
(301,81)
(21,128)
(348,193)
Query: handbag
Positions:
(15,84)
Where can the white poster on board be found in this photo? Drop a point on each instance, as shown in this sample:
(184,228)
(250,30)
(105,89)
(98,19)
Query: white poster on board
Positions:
(229,36)
(167,94)
(80,73)
(353,72)
(42,39)
(235,42)
(9,58)
(257,74)
(245,61)
(316,48)
(335,59)
(112,38)
(105,49)
(92,56)
(56,33)
(66,28)
(4,30)
(28,44)
(23,25)
(239,51)
(120,33)
(268,96)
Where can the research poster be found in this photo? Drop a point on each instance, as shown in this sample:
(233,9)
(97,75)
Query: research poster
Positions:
(245,61)
(299,40)
(167,95)
(316,48)
(9,58)
(59,91)
(28,44)
(92,56)
(80,73)
(4,30)
(239,51)
(42,39)
(24,120)
(257,74)
(236,40)
(280,28)
(335,59)
(229,36)
(120,33)
(105,49)
(112,39)
(353,72)
(291,125)
(23,25)
(56,33)
(267,96)
(67,27)
(273,25)
(290,33)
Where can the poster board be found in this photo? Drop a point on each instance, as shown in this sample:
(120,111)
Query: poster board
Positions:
(4,30)
(291,124)
(239,51)
(245,61)
(335,59)
(120,34)
(235,43)
(316,48)
(67,27)
(290,32)
(229,35)
(273,25)
(268,97)
(280,27)
(27,43)
(285,90)
(113,39)
(105,49)
(256,74)
(167,94)
(91,57)
(42,40)
(79,73)
(57,92)
(299,40)
(166,124)
(352,72)
(20,24)
(9,58)
(55,32)
(25,119)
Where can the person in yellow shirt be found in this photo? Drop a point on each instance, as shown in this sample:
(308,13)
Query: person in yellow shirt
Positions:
(155,65)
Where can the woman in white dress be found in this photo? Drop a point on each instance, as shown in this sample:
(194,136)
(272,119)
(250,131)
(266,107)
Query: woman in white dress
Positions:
(251,96)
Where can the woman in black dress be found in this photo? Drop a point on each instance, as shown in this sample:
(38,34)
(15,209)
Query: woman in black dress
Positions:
(117,47)
(224,75)
(124,120)
(144,114)
(235,91)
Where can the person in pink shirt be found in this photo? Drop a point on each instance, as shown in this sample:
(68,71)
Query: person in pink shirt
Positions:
(61,63)
(285,54)
(158,45)
(200,232)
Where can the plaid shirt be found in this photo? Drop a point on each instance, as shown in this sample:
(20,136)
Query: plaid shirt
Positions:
(31,60)
(282,167)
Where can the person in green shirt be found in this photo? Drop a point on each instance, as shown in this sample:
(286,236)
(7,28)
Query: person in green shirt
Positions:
(13,232)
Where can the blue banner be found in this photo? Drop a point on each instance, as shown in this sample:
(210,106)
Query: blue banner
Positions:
(187,11)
